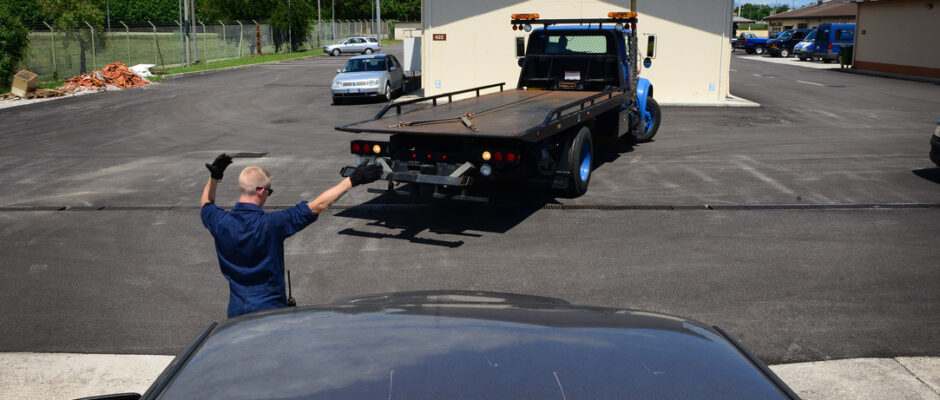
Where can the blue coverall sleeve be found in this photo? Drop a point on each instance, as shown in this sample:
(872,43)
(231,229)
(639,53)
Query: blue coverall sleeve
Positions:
(211,215)
(292,220)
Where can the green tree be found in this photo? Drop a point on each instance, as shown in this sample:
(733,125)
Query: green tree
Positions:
(71,16)
(295,16)
(14,39)
(24,10)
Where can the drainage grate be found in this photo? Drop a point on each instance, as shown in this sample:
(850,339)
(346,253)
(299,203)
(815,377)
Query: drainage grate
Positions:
(249,155)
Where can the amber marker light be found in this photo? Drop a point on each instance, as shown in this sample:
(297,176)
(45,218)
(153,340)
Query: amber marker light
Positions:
(525,16)
(487,156)
(376,149)
(621,14)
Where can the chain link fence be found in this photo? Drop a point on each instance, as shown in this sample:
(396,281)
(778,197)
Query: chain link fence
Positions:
(60,54)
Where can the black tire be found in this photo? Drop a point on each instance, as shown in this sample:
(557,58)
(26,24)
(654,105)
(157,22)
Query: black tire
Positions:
(784,53)
(802,58)
(749,51)
(388,92)
(580,162)
(335,52)
(367,51)
(759,49)
(646,130)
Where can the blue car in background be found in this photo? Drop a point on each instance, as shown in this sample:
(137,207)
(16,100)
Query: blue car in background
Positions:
(830,38)
(804,50)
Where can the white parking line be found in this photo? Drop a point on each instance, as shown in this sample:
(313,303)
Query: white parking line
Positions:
(810,83)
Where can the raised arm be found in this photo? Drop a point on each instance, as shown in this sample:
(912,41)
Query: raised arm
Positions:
(362,174)
(216,170)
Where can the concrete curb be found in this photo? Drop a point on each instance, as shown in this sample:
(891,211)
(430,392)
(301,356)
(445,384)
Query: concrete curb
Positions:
(69,376)
(889,75)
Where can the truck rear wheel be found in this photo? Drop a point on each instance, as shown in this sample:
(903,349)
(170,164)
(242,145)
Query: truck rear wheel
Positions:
(652,116)
(580,161)
(759,49)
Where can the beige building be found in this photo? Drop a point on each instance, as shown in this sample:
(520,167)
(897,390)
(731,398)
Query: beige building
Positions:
(899,37)
(471,43)
(811,16)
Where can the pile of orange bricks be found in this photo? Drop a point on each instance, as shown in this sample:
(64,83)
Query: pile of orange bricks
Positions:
(116,74)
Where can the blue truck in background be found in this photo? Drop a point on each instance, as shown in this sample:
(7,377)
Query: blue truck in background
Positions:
(750,43)
(578,91)
(804,50)
(831,38)
(784,43)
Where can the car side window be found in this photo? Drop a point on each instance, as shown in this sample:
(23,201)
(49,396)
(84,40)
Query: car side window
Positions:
(845,34)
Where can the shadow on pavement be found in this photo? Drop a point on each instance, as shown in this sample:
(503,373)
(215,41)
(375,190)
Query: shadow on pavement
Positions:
(404,218)
(930,174)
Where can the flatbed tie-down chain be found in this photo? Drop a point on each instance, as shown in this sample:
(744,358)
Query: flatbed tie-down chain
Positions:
(465,119)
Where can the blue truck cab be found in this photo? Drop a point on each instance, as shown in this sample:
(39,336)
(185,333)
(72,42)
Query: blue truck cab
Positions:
(750,43)
(830,38)
(784,43)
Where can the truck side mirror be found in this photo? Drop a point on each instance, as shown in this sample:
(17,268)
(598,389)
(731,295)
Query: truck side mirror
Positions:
(520,47)
(651,46)
(521,62)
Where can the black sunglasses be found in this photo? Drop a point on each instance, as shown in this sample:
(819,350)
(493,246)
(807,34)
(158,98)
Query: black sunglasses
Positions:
(266,189)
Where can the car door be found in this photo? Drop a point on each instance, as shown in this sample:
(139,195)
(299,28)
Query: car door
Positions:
(395,72)
(822,38)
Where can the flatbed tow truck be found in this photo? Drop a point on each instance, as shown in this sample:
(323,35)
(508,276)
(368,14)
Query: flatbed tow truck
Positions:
(579,81)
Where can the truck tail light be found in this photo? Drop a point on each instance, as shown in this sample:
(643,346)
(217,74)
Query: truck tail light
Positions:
(498,156)
(362,147)
(830,46)
(510,157)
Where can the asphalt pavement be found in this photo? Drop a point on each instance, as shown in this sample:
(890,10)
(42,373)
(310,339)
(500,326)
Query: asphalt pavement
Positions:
(806,228)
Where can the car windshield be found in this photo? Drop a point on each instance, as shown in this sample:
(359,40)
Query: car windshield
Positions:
(786,35)
(811,37)
(364,64)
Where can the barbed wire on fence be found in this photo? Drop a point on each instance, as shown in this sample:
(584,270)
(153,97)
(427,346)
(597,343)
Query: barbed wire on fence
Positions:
(54,53)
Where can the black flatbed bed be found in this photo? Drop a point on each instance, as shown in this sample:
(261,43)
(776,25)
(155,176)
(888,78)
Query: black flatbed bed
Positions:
(527,115)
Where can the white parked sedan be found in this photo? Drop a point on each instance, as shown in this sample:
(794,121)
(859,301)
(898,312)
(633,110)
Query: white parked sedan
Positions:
(356,44)
(366,76)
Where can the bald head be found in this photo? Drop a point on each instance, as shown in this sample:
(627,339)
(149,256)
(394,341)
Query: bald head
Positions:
(252,178)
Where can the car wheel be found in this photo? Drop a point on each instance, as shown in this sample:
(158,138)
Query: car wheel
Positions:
(368,51)
(580,161)
(802,58)
(388,92)
(758,49)
(652,116)
(784,53)
(335,52)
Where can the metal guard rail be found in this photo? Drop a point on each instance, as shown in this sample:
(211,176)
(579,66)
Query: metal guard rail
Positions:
(556,113)
(434,98)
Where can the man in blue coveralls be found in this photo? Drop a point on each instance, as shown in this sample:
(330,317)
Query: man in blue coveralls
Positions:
(250,242)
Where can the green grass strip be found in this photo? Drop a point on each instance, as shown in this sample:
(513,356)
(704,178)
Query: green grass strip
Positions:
(236,62)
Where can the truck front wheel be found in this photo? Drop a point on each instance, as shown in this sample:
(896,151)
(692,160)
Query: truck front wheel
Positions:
(580,161)
(652,116)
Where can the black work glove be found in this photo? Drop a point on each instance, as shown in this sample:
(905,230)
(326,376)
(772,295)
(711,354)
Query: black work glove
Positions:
(218,166)
(365,174)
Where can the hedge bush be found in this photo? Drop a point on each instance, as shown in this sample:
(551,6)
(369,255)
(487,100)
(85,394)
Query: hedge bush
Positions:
(14,39)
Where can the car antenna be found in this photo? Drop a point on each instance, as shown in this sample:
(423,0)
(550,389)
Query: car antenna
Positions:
(290,299)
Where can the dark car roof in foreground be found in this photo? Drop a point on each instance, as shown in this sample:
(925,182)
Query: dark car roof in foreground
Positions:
(424,345)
